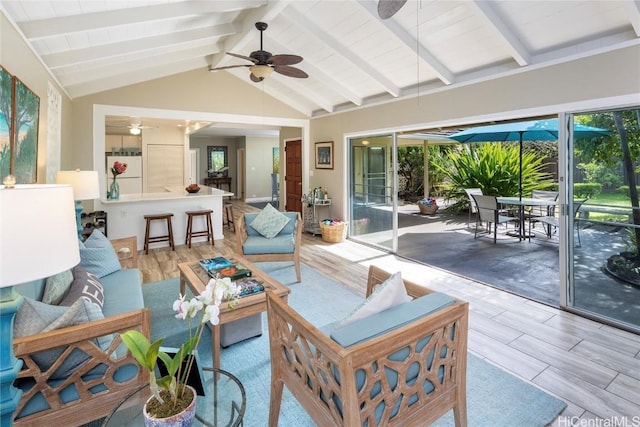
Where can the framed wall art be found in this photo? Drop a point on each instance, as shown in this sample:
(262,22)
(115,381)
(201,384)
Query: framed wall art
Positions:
(19,115)
(6,96)
(324,155)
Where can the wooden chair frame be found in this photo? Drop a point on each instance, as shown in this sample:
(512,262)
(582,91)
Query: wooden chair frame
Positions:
(309,363)
(89,406)
(241,236)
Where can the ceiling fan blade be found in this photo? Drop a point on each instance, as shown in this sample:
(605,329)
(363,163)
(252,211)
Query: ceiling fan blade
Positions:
(290,71)
(285,59)
(388,8)
(255,78)
(229,66)
(243,57)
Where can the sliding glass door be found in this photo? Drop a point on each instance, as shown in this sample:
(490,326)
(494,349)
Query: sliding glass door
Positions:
(603,220)
(372,189)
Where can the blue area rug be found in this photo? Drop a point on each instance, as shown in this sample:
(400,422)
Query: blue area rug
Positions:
(494,397)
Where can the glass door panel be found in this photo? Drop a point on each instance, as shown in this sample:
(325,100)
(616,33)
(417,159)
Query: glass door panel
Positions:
(603,219)
(372,188)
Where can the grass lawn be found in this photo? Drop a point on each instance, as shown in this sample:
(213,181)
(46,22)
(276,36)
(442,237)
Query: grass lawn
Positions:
(609,200)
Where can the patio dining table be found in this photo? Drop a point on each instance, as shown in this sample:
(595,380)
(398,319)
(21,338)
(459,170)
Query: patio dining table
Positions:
(521,203)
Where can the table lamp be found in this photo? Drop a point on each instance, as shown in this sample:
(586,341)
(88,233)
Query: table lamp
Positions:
(37,239)
(85,187)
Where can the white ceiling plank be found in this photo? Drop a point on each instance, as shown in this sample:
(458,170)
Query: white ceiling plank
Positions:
(440,70)
(53,27)
(502,30)
(313,29)
(633,10)
(113,50)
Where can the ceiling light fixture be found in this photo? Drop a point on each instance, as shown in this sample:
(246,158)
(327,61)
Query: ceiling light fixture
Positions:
(365,142)
(261,71)
(135,131)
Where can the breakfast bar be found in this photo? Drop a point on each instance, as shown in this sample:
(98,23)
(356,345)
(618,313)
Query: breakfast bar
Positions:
(126,215)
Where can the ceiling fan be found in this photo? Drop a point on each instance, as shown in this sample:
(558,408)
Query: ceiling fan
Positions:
(135,126)
(263,63)
(388,8)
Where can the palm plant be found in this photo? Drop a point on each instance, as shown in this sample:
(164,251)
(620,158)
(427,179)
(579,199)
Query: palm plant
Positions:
(494,168)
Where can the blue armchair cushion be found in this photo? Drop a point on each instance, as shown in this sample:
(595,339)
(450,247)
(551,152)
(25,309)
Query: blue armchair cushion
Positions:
(269,222)
(390,319)
(281,244)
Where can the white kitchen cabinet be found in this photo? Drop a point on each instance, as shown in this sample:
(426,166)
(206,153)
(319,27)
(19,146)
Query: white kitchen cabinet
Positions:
(122,144)
(164,167)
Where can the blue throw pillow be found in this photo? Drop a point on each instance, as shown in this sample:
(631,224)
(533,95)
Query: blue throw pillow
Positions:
(97,255)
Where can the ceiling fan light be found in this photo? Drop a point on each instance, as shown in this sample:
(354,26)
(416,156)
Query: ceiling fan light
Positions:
(261,71)
(134,131)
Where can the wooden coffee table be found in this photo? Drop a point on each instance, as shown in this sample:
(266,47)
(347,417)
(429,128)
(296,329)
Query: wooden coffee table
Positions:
(193,275)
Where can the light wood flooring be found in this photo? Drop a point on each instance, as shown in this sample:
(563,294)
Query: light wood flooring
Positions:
(593,367)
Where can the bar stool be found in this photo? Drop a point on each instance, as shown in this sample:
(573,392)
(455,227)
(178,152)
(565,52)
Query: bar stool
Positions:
(208,232)
(152,239)
(228,210)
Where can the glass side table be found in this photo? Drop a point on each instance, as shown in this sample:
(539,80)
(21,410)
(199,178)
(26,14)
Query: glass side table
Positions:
(223,404)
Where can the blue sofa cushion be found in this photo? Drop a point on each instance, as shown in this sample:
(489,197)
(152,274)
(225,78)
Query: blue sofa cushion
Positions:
(69,394)
(269,222)
(97,255)
(122,292)
(84,285)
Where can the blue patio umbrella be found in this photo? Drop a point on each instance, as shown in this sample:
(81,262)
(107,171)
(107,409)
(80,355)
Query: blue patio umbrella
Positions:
(532,130)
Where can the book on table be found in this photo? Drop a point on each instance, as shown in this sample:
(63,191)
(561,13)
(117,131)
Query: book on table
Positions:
(249,286)
(223,267)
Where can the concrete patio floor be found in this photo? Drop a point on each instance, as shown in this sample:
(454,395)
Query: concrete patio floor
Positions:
(526,268)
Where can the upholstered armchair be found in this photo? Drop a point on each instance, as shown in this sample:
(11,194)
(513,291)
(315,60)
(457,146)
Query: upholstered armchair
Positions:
(404,366)
(284,246)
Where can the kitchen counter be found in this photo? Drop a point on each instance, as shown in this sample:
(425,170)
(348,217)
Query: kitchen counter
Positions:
(126,215)
(170,194)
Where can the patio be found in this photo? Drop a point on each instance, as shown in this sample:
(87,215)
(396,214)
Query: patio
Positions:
(528,269)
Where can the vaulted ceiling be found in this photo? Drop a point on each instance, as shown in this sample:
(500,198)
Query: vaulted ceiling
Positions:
(353,58)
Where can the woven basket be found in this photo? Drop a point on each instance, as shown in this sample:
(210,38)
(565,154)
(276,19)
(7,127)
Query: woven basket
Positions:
(428,209)
(333,233)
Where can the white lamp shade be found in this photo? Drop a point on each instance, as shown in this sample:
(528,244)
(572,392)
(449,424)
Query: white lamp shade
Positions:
(85,183)
(38,234)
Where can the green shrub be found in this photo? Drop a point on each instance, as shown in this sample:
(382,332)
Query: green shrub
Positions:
(586,189)
(493,167)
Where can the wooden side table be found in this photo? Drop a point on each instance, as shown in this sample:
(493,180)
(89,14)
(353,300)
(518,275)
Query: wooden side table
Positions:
(218,181)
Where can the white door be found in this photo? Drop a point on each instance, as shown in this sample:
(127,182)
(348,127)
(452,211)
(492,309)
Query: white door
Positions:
(194,166)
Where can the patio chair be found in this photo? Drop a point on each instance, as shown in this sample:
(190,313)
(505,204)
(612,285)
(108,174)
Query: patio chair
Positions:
(553,221)
(488,211)
(472,203)
(535,212)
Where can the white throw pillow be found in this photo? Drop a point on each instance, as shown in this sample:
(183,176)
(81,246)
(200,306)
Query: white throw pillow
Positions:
(388,294)
(269,222)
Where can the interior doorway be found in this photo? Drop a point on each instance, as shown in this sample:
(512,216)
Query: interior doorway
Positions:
(240,180)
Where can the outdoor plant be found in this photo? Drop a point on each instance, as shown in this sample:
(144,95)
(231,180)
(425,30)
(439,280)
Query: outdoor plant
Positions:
(169,391)
(494,168)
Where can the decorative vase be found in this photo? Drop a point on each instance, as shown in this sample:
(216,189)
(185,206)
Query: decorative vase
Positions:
(181,419)
(114,190)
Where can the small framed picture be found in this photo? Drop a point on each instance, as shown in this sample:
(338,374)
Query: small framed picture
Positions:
(324,155)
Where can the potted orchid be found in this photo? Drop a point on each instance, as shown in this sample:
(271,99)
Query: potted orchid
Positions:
(171,396)
(428,205)
(118,168)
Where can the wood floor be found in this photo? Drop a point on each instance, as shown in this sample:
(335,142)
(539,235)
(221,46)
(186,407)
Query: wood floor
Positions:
(593,367)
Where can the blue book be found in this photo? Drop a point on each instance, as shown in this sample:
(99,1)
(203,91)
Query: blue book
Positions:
(215,263)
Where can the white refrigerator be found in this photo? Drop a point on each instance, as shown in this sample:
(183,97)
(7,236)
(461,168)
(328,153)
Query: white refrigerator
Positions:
(130,181)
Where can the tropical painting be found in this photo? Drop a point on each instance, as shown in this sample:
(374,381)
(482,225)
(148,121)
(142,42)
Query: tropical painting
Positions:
(5,122)
(26,134)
